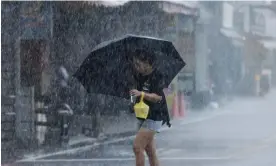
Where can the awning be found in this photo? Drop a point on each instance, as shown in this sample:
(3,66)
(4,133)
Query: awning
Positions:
(231,34)
(187,8)
(108,3)
(269,44)
(189,4)
(237,39)
(72,6)
(186,4)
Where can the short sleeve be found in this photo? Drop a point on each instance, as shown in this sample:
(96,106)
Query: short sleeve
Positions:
(157,85)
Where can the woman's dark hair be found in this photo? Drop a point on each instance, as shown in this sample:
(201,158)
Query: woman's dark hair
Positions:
(144,56)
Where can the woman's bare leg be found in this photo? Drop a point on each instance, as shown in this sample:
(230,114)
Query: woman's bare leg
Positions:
(143,137)
(151,152)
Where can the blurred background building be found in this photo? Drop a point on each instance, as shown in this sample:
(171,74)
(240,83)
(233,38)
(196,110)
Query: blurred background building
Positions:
(228,47)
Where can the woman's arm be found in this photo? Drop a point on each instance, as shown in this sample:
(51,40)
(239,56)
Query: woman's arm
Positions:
(152,97)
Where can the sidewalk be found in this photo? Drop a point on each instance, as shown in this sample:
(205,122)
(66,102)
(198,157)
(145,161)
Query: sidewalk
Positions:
(112,126)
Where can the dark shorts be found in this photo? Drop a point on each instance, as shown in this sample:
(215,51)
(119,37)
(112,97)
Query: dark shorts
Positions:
(150,124)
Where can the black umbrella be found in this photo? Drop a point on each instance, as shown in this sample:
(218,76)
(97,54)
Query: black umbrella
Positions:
(107,69)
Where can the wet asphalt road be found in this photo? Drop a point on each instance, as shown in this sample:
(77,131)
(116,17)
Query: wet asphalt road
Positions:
(242,134)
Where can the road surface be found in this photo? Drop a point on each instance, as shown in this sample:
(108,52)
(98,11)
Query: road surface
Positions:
(242,134)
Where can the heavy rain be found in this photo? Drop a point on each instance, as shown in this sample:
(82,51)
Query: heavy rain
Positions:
(121,83)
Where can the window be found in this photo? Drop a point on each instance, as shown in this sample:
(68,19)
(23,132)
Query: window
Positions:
(257,22)
(239,20)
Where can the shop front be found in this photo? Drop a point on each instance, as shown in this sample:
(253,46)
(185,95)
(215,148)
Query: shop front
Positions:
(32,64)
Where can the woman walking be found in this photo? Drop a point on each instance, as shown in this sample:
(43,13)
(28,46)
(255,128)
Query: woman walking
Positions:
(149,83)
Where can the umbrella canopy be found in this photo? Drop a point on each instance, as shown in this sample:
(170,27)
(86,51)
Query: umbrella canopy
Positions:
(108,69)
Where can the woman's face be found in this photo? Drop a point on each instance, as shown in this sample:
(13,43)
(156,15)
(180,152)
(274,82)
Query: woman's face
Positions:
(142,67)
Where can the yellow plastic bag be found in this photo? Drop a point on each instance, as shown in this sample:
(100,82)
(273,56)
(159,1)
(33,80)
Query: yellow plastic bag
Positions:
(141,109)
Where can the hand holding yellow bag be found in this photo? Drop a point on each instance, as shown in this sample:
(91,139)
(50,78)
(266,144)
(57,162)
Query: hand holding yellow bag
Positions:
(141,109)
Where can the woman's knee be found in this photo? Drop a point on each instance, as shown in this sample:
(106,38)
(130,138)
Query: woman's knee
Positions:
(138,148)
(150,149)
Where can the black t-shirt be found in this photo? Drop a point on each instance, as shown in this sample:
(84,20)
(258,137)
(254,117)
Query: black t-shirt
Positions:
(153,84)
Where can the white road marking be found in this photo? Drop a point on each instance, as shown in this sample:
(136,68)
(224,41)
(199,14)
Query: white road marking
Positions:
(89,147)
(203,118)
(170,152)
(75,150)
(160,150)
(118,159)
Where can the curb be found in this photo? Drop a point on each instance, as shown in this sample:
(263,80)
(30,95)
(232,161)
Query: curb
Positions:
(80,144)
(107,137)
